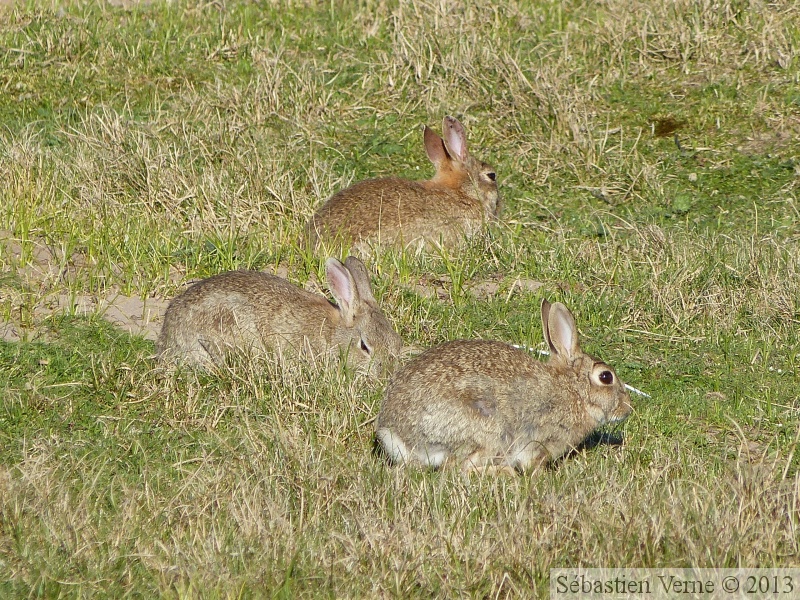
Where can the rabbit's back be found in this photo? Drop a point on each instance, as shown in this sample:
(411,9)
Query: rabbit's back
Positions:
(462,358)
(392,210)
(237,309)
(489,370)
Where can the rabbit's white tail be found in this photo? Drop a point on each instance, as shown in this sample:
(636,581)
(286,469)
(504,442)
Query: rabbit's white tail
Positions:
(393,446)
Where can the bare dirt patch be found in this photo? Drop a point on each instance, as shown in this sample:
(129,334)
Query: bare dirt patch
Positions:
(497,286)
(775,140)
(33,288)
(135,315)
(483,290)
(35,279)
(128,4)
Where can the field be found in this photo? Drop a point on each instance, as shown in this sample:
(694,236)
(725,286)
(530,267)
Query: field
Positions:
(648,158)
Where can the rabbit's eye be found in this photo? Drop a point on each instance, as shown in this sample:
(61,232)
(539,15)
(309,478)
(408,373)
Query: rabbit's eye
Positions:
(491,175)
(364,347)
(606,377)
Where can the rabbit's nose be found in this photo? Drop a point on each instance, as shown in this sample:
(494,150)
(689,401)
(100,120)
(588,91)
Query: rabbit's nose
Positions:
(624,409)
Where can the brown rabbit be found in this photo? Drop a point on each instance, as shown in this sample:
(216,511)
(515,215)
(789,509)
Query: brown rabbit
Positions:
(486,405)
(455,204)
(247,310)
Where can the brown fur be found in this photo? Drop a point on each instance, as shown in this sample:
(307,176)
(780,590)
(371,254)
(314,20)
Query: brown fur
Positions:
(454,204)
(247,310)
(486,405)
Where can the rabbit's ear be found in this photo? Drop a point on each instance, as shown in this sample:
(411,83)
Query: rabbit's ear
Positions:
(361,279)
(434,146)
(455,139)
(342,287)
(560,330)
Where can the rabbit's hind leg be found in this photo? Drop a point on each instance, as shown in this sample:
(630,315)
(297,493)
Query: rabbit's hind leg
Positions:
(484,463)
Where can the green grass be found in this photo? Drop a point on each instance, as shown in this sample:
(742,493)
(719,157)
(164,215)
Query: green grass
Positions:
(648,159)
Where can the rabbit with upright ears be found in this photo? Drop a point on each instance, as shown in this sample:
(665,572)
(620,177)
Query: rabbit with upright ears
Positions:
(453,205)
(485,405)
(247,310)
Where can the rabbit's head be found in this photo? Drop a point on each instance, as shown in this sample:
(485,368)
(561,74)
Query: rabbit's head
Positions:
(603,395)
(364,335)
(458,170)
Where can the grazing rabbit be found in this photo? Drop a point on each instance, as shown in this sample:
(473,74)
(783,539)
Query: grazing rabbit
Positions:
(244,310)
(486,405)
(453,205)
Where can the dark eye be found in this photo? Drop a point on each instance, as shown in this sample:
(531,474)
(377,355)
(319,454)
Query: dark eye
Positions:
(364,347)
(491,175)
(606,377)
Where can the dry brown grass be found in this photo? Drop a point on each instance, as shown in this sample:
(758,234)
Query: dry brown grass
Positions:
(294,491)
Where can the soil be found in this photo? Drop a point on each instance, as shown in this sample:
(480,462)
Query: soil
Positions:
(34,287)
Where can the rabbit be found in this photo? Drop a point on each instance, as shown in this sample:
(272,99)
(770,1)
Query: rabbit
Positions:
(455,204)
(242,310)
(487,406)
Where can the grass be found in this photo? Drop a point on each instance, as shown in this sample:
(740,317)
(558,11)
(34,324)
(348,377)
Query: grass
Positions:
(648,159)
